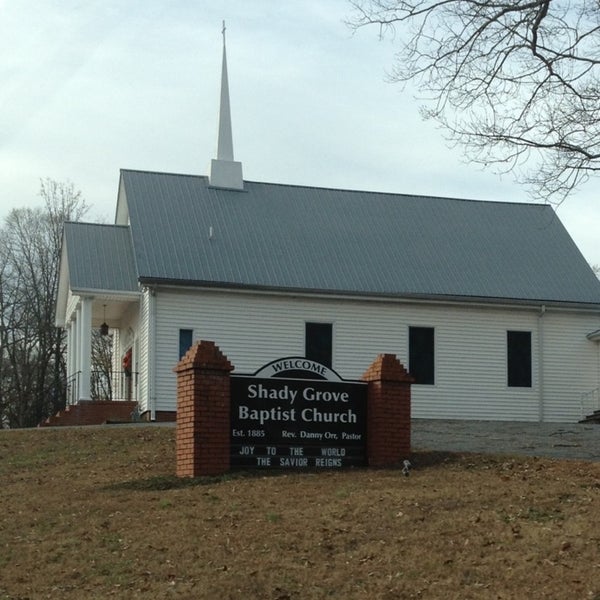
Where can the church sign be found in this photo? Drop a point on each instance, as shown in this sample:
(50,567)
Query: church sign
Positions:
(297,413)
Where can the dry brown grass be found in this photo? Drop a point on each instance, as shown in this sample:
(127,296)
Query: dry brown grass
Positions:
(97,513)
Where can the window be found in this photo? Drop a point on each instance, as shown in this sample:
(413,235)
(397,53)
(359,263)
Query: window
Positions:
(421,354)
(318,342)
(185,341)
(518,358)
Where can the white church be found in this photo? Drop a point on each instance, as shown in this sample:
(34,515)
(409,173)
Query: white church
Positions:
(489,305)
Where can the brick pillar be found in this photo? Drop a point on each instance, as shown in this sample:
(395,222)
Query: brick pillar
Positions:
(203,400)
(388,411)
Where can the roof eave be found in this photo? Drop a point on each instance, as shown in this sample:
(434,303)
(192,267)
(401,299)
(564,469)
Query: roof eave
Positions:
(387,296)
(121,294)
(62,293)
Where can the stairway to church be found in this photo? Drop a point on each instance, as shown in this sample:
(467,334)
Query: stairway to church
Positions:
(93,412)
(593,418)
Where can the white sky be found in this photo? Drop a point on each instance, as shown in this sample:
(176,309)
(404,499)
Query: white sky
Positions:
(88,87)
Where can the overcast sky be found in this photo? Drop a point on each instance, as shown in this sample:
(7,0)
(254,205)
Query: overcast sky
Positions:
(88,87)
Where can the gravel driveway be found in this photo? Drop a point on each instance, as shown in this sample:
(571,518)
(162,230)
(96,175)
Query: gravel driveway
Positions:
(554,440)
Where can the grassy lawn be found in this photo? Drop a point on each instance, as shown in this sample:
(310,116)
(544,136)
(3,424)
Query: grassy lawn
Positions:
(97,513)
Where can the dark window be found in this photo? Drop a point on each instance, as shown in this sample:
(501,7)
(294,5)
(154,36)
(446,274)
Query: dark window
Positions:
(318,342)
(185,341)
(421,354)
(518,352)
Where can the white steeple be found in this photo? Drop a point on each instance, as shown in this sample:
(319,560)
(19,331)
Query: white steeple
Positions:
(224,171)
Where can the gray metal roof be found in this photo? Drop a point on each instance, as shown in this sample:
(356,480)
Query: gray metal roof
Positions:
(100,257)
(302,238)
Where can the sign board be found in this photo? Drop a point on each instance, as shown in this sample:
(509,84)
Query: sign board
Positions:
(297,413)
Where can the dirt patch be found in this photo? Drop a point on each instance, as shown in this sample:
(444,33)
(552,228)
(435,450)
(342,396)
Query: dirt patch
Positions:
(97,513)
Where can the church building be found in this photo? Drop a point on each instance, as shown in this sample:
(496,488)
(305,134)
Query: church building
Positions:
(489,305)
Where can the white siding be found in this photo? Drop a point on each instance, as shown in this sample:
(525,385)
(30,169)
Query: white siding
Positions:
(471,370)
(470,348)
(571,365)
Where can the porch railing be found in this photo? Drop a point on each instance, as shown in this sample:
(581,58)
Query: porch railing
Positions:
(590,402)
(112,385)
(72,388)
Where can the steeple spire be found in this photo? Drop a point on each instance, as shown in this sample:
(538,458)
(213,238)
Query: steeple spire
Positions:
(224,171)
(225,139)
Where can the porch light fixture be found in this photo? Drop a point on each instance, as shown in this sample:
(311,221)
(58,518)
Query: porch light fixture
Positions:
(104,326)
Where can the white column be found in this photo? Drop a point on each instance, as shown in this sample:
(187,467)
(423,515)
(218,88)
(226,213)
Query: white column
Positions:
(69,328)
(73,348)
(85,349)
(79,322)
(75,361)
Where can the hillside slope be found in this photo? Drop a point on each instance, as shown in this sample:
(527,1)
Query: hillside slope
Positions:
(96,512)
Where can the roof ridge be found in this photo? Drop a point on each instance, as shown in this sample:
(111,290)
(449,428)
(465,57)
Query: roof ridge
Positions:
(347,190)
(170,173)
(96,224)
(403,194)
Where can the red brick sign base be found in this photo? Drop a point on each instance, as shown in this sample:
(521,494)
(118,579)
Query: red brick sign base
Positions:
(203,411)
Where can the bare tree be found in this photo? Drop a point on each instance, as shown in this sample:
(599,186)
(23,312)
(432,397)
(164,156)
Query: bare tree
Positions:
(31,347)
(517,82)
